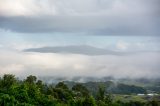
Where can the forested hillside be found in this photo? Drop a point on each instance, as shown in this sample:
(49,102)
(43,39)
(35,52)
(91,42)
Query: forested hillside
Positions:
(33,92)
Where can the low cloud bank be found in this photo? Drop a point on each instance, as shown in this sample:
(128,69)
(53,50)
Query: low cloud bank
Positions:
(140,65)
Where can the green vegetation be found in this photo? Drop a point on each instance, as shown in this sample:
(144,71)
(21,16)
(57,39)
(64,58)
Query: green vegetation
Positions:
(33,92)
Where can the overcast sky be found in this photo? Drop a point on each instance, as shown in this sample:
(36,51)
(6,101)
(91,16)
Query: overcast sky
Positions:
(119,38)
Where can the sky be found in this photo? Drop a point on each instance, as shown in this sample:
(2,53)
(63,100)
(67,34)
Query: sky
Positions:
(90,38)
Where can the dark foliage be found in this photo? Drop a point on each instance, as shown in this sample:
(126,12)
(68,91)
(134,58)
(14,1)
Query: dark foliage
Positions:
(31,92)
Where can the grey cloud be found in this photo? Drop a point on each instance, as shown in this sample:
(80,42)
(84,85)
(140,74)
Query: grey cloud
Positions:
(82,24)
(85,50)
(145,65)
(99,17)
(79,49)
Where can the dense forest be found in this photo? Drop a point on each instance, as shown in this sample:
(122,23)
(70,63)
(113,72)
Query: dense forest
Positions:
(33,92)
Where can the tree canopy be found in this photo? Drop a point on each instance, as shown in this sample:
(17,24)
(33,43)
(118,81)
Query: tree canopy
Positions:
(33,92)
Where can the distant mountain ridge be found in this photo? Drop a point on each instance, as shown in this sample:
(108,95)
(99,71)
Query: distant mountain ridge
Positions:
(111,87)
(115,86)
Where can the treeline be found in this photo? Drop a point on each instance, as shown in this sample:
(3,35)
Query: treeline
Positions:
(111,87)
(33,92)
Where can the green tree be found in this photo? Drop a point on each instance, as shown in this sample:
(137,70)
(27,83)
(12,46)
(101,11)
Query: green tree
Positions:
(7,81)
(90,101)
(101,93)
(80,90)
(31,79)
(41,86)
(62,85)
(102,98)
(7,100)
(21,93)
